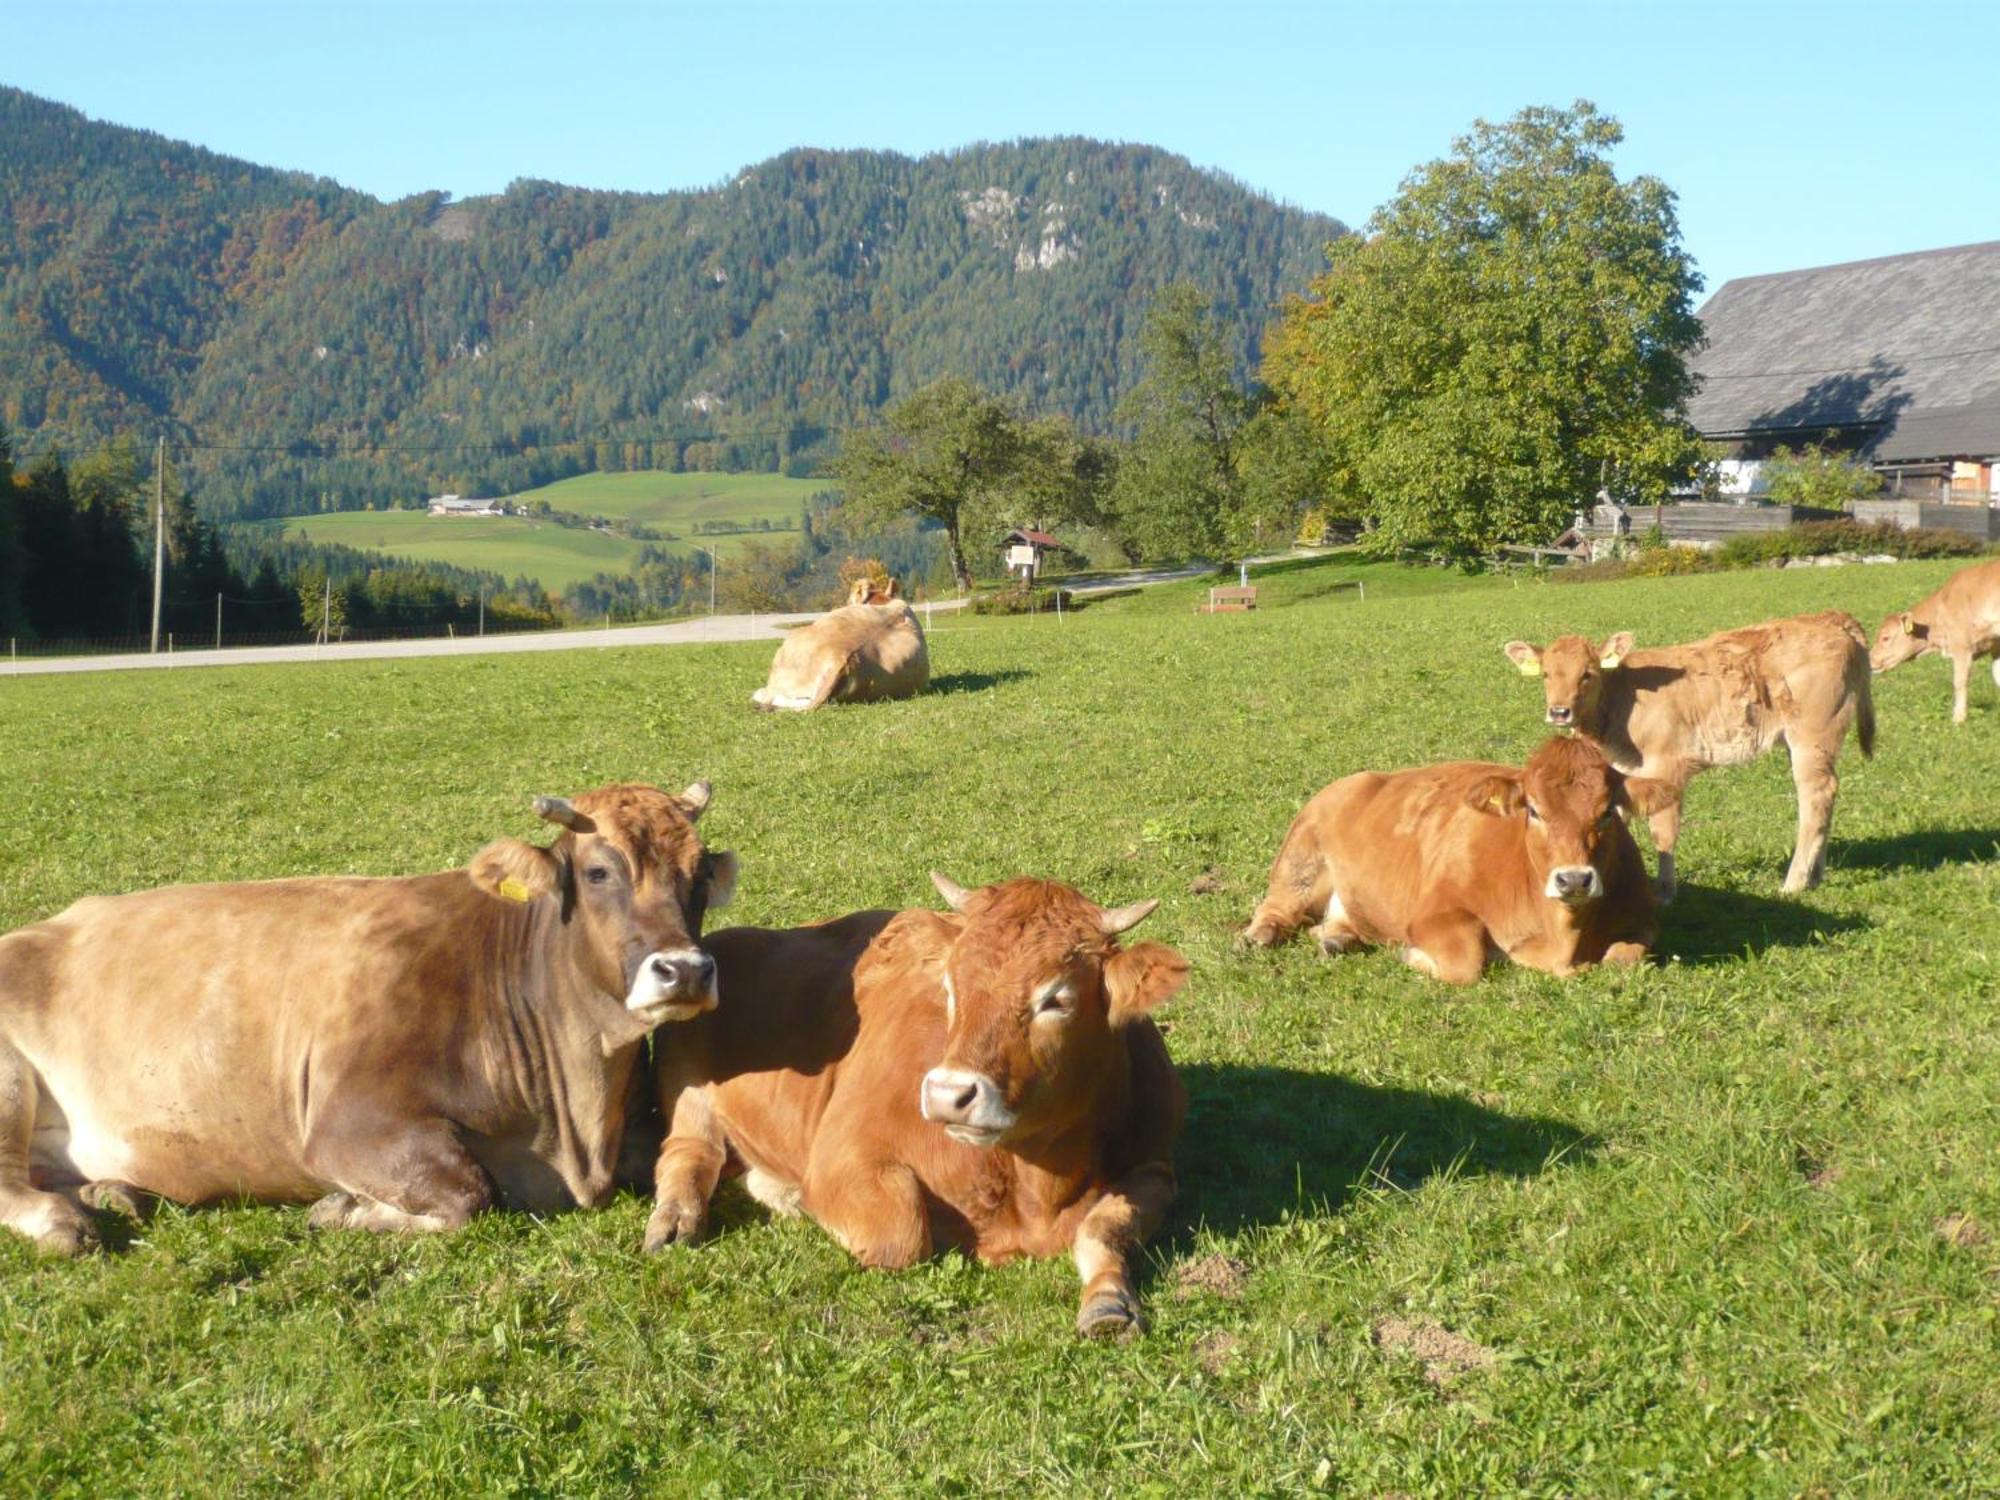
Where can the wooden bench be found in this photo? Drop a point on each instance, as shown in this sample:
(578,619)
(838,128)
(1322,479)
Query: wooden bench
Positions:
(1228,600)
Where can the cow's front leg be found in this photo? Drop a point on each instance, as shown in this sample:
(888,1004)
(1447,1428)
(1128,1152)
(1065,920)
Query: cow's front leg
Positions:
(52,1221)
(1106,1242)
(1665,826)
(684,1178)
(1961,683)
(1451,947)
(416,1176)
(875,1209)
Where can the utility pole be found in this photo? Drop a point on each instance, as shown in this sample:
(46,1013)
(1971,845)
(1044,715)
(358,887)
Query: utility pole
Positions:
(326,613)
(712,564)
(482,611)
(218,622)
(159,532)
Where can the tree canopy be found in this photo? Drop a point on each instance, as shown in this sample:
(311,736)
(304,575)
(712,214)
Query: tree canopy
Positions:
(1508,333)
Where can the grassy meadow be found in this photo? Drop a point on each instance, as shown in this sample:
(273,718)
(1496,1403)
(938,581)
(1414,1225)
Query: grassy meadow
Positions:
(1728,1224)
(676,502)
(512,546)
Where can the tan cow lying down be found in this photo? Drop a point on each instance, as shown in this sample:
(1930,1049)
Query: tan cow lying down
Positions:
(987,1080)
(1669,712)
(402,1051)
(871,647)
(1961,620)
(1461,863)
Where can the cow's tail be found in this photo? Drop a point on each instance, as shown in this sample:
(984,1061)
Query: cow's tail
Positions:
(1860,680)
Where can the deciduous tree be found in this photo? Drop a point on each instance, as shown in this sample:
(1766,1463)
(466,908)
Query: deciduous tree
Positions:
(1508,333)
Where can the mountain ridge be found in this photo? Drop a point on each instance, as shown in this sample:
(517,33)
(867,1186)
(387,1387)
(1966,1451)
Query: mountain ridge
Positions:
(308,346)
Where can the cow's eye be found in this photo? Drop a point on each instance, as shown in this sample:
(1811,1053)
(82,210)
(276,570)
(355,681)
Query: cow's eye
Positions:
(1051,1006)
(597,874)
(1533,816)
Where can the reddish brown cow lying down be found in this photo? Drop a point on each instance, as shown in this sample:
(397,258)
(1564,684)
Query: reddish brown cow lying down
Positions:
(1961,620)
(871,647)
(1460,863)
(1672,711)
(986,1079)
(402,1051)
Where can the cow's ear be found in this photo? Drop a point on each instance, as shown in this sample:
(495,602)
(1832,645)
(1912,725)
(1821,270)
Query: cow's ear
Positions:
(921,939)
(1615,650)
(1140,977)
(1528,658)
(1499,795)
(1645,796)
(514,870)
(894,589)
(723,869)
(1910,624)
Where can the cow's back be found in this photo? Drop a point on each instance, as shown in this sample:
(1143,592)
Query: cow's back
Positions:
(1967,608)
(177,1031)
(1402,843)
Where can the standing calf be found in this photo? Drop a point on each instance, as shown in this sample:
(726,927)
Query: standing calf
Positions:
(986,1079)
(1670,712)
(1961,620)
(1461,863)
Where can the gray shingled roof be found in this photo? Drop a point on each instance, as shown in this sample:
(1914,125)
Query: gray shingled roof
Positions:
(1907,347)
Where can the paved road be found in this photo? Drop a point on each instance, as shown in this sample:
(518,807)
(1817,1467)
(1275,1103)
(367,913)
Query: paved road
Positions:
(672,633)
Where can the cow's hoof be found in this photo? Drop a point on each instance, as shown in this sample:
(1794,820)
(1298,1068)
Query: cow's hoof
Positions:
(673,1224)
(335,1211)
(1110,1315)
(1258,935)
(1664,891)
(65,1231)
(118,1198)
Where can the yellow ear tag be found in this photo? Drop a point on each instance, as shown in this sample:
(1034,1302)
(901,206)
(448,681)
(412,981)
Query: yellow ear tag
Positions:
(1531,668)
(1909,625)
(513,890)
(1609,663)
(1497,802)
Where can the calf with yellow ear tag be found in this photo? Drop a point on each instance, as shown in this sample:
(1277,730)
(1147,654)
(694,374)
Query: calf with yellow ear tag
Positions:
(1669,712)
(1961,622)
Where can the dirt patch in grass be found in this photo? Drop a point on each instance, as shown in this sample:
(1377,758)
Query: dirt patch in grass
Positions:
(1221,1276)
(1961,1231)
(1818,1173)
(1444,1355)
(1208,883)
(1213,1351)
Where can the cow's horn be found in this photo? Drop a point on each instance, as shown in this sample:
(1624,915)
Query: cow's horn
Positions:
(1127,917)
(696,798)
(559,810)
(955,895)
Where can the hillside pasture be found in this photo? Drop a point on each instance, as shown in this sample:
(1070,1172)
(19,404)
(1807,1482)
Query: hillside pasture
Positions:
(1726,1224)
(512,546)
(679,502)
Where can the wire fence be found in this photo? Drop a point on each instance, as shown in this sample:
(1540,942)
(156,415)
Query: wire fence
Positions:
(29,649)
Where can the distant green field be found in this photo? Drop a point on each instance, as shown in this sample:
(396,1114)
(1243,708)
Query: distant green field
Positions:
(677,502)
(554,556)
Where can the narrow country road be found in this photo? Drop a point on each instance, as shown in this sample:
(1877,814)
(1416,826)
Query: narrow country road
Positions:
(693,632)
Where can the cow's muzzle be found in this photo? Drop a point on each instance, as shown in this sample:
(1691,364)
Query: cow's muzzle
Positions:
(674,984)
(968,1105)
(1574,884)
(1561,716)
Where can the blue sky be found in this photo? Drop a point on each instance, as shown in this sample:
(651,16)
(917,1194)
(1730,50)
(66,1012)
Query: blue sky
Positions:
(1795,134)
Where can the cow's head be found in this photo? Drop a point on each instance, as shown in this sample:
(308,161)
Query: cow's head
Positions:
(1902,638)
(1572,804)
(1572,672)
(1035,990)
(630,876)
(872,591)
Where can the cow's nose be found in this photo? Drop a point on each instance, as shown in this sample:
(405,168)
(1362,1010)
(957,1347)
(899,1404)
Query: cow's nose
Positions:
(691,972)
(1560,715)
(949,1099)
(1576,880)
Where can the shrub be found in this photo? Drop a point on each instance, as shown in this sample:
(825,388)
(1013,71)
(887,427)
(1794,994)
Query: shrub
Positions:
(1650,561)
(1824,538)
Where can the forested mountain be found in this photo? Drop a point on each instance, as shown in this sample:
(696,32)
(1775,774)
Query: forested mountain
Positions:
(304,346)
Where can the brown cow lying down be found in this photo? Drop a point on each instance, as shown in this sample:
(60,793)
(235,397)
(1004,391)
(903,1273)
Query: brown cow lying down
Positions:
(1460,863)
(1675,710)
(402,1051)
(1961,620)
(871,647)
(987,1080)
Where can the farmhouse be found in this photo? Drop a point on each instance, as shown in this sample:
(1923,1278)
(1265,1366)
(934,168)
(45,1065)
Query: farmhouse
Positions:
(453,505)
(1895,360)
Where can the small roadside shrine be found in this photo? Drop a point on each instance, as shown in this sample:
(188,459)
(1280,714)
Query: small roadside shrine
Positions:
(1022,550)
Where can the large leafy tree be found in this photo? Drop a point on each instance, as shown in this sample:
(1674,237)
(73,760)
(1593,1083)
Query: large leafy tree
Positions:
(1509,333)
(947,454)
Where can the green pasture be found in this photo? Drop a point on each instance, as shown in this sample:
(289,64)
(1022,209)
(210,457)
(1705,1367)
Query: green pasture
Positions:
(677,502)
(1726,1225)
(512,546)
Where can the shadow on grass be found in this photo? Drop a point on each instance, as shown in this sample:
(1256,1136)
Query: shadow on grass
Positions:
(1705,925)
(975,682)
(1262,1141)
(1929,849)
